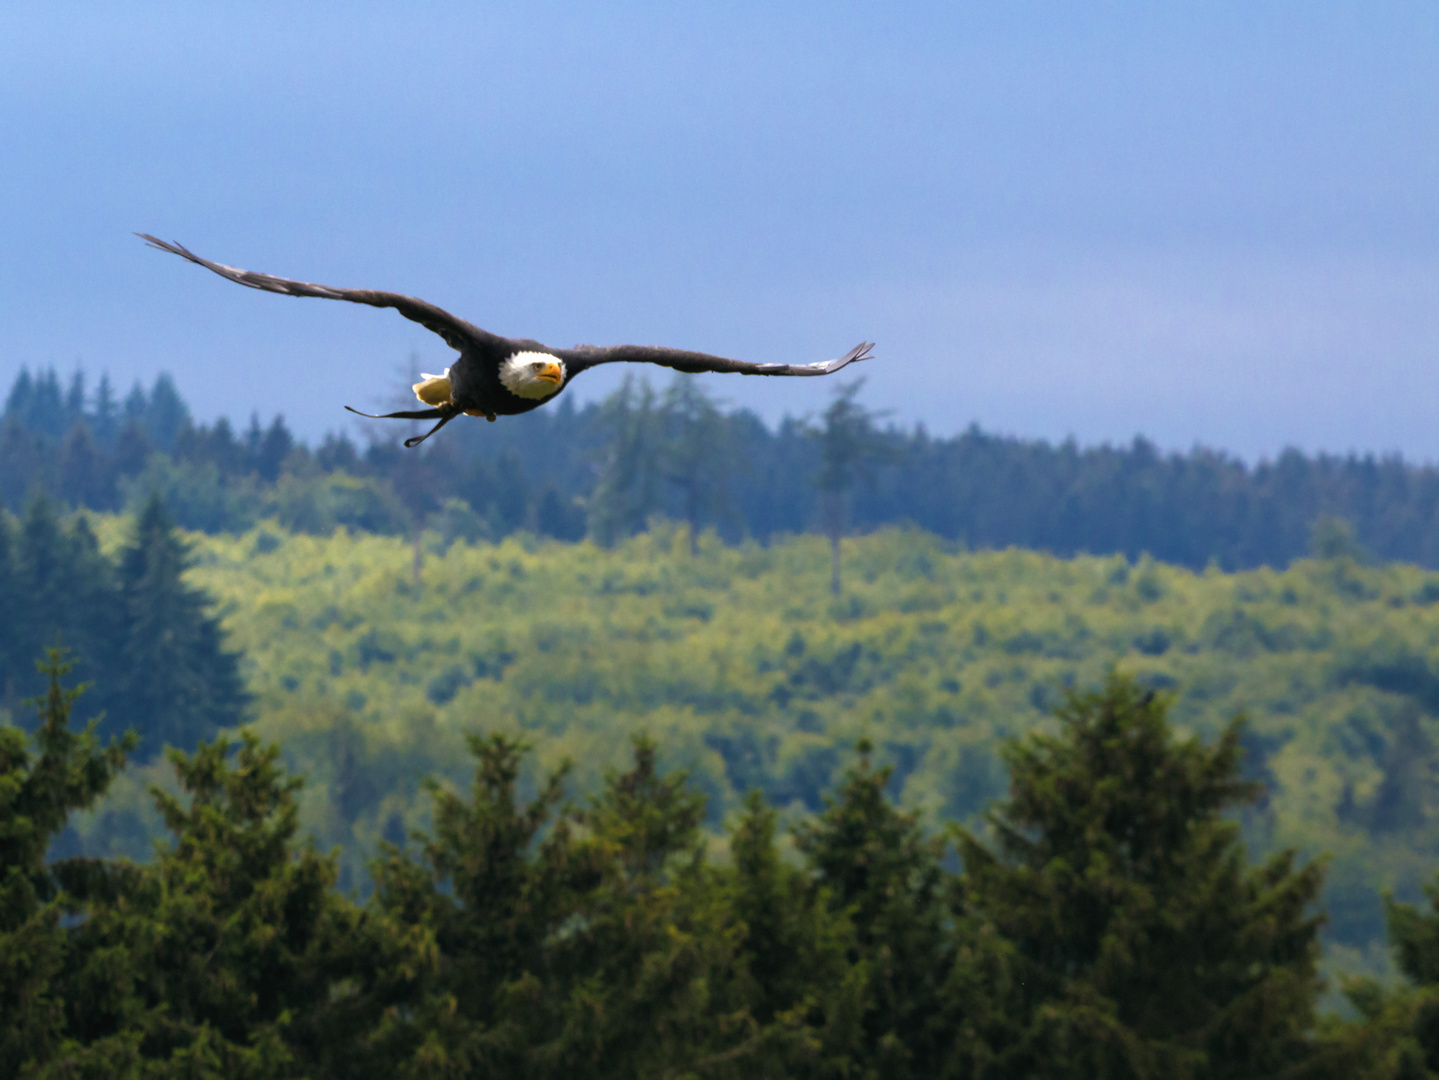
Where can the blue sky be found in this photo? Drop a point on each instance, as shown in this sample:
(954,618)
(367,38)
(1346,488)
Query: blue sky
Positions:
(1212,222)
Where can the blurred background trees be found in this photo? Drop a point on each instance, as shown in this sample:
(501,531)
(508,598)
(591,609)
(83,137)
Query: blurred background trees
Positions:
(148,640)
(604,469)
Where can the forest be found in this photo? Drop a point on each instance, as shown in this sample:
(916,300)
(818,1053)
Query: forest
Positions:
(604,469)
(382,779)
(1106,923)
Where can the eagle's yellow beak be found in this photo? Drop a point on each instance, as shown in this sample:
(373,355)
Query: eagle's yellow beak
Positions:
(550,373)
(433,390)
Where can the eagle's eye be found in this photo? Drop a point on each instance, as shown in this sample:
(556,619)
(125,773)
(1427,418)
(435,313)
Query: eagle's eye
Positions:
(536,366)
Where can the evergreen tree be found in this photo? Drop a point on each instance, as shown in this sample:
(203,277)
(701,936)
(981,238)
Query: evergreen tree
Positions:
(85,478)
(62,588)
(491,891)
(696,452)
(230,954)
(802,990)
(75,400)
(627,488)
(1144,946)
(105,419)
(42,560)
(850,447)
(180,685)
(17,401)
(133,448)
(136,404)
(26,463)
(875,864)
(165,413)
(272,449)
(1396,1033)
(67,770)
(12,602)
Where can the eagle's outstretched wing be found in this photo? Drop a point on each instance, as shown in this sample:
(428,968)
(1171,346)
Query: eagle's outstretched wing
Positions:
(587,356)
(457,332)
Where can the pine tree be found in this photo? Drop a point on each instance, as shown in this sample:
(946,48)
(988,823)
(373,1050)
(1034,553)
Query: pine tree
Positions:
(802,990)
(12,636)
(180,684)
(696,452)
(165,413)
(85,478)
(38,791)
(849,448)
(1143,944)
(627,488)
(228,955)
(875,864)
(105,418)
(43,565)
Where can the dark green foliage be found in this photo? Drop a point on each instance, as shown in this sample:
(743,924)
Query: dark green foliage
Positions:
(875,865)
(628,487)
(139,632)
(65,771)
(1396,1033)
(697,453)
(850,449)
(1113,930)
(620,462)
(1142,943)
(176,672)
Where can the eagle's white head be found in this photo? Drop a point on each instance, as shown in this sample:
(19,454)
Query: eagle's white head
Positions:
(533,375)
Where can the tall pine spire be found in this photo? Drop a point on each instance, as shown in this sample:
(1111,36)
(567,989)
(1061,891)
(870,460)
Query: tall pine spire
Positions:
(180,684)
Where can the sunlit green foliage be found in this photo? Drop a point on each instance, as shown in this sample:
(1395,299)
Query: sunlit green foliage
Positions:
(749,673)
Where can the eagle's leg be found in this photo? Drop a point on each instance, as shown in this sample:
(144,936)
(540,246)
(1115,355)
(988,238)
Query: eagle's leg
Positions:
(444,415)
(409,443)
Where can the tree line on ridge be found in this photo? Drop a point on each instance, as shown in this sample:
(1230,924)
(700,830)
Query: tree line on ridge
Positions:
(604,470)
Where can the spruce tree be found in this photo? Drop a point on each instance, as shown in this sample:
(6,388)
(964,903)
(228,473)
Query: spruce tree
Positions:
(627,485)
(1144,945)
(48,608)
(850,446)
(11,605)
(228,955)
(874,863)
(1396,1036)
(65,771)
(696,451)
(180,685)
(799,978)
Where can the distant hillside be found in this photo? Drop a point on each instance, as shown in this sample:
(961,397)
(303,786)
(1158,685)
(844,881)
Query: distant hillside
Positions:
(748,671)
(604,470)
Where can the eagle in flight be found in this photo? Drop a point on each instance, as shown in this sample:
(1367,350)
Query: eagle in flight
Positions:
(494,375)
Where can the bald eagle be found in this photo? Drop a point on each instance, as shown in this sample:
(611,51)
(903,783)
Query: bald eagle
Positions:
(498,376)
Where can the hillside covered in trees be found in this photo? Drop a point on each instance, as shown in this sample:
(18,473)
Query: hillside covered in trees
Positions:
(752,675)
(1107,923)
(604,470)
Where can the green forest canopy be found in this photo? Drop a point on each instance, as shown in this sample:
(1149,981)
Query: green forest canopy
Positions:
(1112,928)
(604,469)
(749,673)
